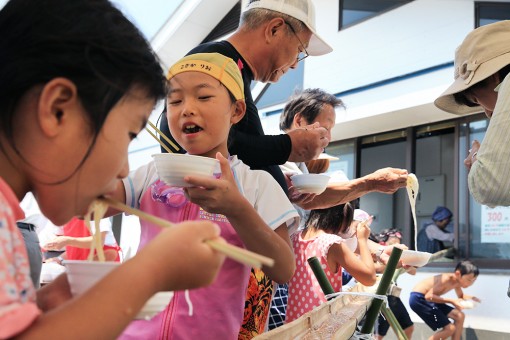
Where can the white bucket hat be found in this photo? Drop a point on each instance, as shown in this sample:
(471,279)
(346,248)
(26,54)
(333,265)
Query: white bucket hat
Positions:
(484,51)
(302,10)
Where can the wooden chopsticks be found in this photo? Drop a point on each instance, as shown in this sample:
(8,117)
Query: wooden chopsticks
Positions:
(235,253)
(163,136)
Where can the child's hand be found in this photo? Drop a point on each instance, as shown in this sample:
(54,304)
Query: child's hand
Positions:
(457,303)
(363,231)
(474,298)
(288,175)
(218,196)
(180,258)
(471,157)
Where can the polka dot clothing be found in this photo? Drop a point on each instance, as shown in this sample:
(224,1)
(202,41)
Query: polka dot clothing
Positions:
(305,292)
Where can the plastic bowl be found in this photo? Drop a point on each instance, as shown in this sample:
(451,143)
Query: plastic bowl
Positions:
(84,274)
(415,258)
(172,167)
(310,183)
(468,304)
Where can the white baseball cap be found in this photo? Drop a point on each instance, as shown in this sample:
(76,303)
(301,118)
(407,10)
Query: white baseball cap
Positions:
(304,11)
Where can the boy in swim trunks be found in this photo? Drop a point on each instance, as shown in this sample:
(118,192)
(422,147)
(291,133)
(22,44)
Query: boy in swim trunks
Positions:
(426,300)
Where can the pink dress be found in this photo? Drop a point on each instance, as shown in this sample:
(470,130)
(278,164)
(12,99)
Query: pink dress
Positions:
(17,293)
(305,292)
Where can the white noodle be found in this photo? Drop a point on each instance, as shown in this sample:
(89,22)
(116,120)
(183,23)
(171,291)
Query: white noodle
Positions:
(412,191)
(99,208)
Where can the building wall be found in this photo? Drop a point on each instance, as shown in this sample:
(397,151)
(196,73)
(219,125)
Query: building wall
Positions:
(412,37)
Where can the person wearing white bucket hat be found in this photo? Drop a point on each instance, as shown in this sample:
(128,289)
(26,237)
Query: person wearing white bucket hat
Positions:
(482,65)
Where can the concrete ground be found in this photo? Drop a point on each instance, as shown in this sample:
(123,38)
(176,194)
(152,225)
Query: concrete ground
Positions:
(423,332)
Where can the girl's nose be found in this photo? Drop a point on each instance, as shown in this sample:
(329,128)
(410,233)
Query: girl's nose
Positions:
(124,171)
(189,109)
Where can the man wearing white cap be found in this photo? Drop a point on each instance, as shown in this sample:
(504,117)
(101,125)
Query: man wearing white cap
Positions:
(482,65)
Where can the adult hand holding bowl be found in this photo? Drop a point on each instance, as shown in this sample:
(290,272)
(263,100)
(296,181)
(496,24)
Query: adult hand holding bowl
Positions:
(310,183)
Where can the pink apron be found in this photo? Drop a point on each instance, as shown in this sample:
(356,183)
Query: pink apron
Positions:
(217,309)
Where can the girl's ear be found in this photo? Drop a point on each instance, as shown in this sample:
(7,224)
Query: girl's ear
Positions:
(58,99)
(239,111)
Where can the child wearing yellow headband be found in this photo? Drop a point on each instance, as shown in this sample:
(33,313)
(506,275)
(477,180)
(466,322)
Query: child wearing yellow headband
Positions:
(205,99)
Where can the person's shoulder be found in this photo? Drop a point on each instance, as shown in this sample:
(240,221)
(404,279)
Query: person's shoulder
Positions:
(239,165)
(222,47)
(445,279)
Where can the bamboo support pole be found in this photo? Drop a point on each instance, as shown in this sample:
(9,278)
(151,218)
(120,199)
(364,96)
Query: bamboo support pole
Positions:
(384,284)
(392,320)
(320,275)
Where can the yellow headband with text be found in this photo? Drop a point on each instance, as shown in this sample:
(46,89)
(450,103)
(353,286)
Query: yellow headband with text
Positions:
(214,64)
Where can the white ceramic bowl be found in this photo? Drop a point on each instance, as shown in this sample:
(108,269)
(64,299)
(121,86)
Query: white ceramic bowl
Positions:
(172,167)
(84,274)
(415,258)
(310,183)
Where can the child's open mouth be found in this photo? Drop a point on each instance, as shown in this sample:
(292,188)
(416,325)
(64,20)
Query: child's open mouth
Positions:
(192,128)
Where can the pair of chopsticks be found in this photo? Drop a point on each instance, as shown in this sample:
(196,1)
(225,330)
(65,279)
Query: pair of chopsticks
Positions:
(235,253)
(162,135)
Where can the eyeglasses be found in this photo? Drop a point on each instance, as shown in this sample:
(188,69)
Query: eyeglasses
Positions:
(304,53)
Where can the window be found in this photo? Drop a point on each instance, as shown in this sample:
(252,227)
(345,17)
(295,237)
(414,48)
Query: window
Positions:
(345,151)
(377,152)
(485,232)
(489,12)
(354,11)
(435,149)
(435,153)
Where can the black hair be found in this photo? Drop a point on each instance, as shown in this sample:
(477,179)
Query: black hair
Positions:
(308,103)
(461,97)
(387,233)
(374,238)
(89,42)
(334,220)
(467,267)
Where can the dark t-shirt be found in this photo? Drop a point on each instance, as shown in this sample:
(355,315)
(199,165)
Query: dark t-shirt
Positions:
(247,139)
